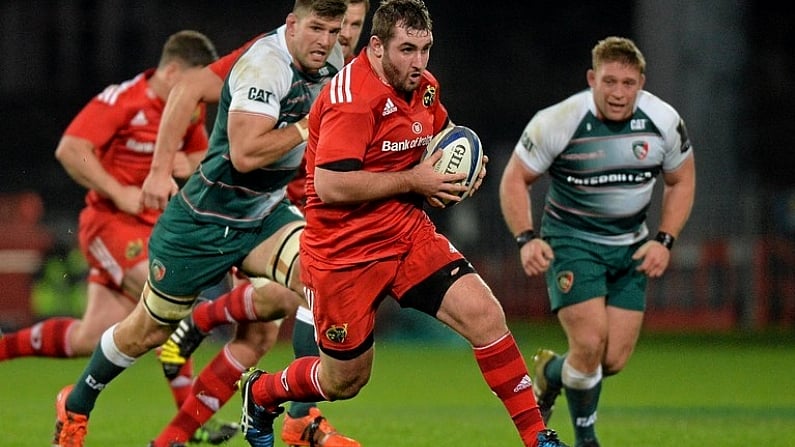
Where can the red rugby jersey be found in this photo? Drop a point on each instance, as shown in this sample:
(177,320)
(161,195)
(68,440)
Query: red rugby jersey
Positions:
(122,123)
(359,117)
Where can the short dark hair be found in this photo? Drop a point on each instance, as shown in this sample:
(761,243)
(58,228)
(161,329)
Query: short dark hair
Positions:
(191,48)
(617,49)
(410,14)
(322,8)
(366,4)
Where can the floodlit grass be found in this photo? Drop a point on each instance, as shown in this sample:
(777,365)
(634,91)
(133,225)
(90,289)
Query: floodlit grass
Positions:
(678,390)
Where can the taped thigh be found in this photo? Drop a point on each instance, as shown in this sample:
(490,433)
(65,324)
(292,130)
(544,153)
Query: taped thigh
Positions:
(166,309)
(285,254)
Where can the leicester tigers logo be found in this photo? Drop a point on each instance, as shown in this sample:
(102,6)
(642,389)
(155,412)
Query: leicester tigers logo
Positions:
(640,149)
(157,270)
(337,333)
(564,281)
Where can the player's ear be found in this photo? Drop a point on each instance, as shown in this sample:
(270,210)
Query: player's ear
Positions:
(377,45)
(590,76)
(292,24)
(172,72)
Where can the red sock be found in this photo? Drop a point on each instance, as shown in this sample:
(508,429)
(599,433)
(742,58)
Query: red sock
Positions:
(211,390)
(182,384)
(237,304)
(300,384)
(43,339)
(506,374)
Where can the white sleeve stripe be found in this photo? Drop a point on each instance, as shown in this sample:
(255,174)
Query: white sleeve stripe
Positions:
(112,92)
(341,86)
(100,251)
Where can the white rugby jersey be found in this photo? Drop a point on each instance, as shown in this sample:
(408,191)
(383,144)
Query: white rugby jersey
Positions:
(603,173)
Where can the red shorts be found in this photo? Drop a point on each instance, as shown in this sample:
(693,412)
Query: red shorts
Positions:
(112,242)
(344,300)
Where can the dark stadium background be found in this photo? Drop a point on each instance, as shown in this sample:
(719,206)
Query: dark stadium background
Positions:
(727,66)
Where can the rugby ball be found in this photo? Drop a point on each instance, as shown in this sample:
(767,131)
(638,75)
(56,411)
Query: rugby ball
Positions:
(462,153)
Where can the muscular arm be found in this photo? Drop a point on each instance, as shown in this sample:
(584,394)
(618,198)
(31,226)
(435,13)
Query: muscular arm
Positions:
(678,196)
(335,187)
(78,159)
(515,199)
(185,164)
(516,206)
(254,141)
(195,87)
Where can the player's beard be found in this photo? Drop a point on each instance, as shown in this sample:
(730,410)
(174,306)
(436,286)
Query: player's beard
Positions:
(399,81)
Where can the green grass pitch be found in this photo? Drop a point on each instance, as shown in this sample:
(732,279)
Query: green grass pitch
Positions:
(678,390)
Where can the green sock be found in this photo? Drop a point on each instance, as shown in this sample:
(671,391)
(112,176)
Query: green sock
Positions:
(553,371)
(99,372)
(582,408)
(303,346)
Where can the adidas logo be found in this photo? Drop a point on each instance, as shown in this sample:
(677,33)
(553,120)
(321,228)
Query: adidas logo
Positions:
(389,107)
(139,119)
(524,384)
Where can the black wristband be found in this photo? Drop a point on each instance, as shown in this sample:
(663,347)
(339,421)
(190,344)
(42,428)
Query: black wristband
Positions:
(665,239)
(525,237)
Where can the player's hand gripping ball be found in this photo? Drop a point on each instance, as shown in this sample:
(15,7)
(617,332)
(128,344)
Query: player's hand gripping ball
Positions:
(463,153)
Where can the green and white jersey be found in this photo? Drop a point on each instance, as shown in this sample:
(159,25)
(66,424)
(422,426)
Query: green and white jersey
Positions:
(263,81)
(602,173)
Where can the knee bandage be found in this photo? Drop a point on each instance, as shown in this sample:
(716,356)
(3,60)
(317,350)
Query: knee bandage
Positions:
(578,380)
(285,255)
(258,281)
(166,309)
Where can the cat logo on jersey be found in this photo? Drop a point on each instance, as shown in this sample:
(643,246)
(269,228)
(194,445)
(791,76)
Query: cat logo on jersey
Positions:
(640,149)
(684,139)
(157,270)
(564,281)
(337,333)
(429,96)
(526,142)
(134,249)
(259,95)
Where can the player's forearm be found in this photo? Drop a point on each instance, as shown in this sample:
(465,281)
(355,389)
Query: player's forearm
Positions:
(254,143)
(360,186)
(677,204)
(174,124)
(515,201)
(92,176)
(78,159)
(515,206)
(678,198)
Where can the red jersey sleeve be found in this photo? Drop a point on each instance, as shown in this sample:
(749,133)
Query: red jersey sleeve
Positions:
(98,122)
(223,65)
(346,133)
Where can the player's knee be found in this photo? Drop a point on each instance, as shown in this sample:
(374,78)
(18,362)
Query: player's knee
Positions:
(347,388)
(611,367)
(166,309)
(260,337)
(273,301)
(283,263)
(579,380)
(155,337)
